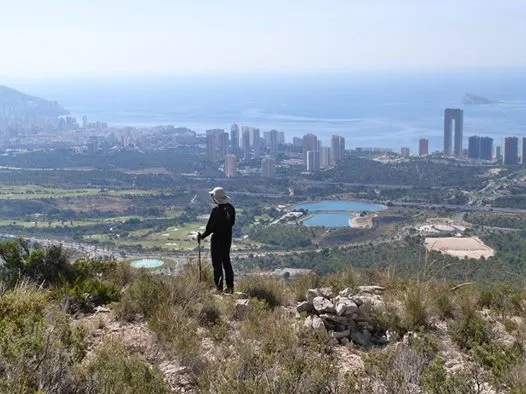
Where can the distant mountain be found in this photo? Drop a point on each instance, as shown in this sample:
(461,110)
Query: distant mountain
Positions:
(473,99)
(21,106)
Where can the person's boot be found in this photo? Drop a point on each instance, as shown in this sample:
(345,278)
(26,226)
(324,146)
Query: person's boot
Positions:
(229,290)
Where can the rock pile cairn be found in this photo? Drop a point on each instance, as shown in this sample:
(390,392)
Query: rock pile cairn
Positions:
(345,318)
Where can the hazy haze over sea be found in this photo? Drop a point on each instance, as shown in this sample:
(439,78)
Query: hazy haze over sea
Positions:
(369,109)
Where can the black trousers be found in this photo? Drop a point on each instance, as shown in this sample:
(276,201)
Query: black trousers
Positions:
(220,250)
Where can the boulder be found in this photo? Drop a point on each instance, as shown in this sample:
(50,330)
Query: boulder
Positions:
(345,307)
(341,334)
(357,300)
(348,292)
(311,294)
(315,324)
(345,341)
(323,305)
(241,308)
(325,292)
(362,338)
(371,289)
(334,319)
(305,306)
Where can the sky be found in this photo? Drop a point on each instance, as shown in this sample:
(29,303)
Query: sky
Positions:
(86,38)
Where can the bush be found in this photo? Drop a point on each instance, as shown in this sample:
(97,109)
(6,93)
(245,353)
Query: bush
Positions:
(141,298)
(470,329)
(38,347)
(112,369)
(176,329)
(301,283)
(341,280)
(270,290)
(416,314)
(443,305)
(271,356)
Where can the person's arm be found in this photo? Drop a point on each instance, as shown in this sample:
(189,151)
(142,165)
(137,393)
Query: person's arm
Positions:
(233,216)
(210,225)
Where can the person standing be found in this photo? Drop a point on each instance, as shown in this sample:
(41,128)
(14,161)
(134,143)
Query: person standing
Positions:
(222,219)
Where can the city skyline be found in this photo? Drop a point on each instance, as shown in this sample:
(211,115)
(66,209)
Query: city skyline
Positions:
(162,38)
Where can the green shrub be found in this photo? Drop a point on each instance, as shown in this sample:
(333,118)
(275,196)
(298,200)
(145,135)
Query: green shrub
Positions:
(435,380)
(271,356)
(415,307)
(301,283)
(443,304)
(112,369)
(38,346)
(270,290)
(141,298)
(341,280)
(470,329)
(176,329)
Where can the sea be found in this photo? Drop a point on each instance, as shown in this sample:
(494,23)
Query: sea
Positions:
(369,109)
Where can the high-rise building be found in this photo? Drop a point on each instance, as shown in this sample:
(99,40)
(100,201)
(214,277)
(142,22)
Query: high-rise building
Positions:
(423,147)
(524,151)
(223,145)
(268,167)
(337,148)
(230,165)
(234,138)
(84,122)
(256,143)
(450,115)
(313,160)
(210,147)
(474,147)
(216,144)
(273,143)
(310,143)
(486,148)
(325,157)
(297,144)
(405,151)
(498,153)
(511,151)
(246,143)
(281,137)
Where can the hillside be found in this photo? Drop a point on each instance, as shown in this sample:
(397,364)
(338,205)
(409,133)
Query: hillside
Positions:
(100,326)
(17,105)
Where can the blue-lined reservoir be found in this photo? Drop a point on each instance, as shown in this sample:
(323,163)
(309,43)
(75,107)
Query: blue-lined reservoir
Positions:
(335,213)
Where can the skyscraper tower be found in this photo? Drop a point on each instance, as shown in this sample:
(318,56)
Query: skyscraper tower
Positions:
(256,143)
(234,138)
(210,146)
(423,147)
(511,151)
(457,115)
(273,143)
(474,147)
(337,148)
(230,165)
(486,148)
(223,145)
(524,151)
(313,160)
(325,157)
(310,143)
(268,167)
(246,143)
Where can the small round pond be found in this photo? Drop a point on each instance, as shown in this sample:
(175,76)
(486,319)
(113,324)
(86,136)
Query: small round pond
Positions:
(147,263)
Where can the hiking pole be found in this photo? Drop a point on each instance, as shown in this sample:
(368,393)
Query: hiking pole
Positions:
(199,256)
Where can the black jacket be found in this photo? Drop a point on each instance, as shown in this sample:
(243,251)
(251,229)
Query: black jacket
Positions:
(220,223)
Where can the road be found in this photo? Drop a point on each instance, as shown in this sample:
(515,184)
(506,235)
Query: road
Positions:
(463,208)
